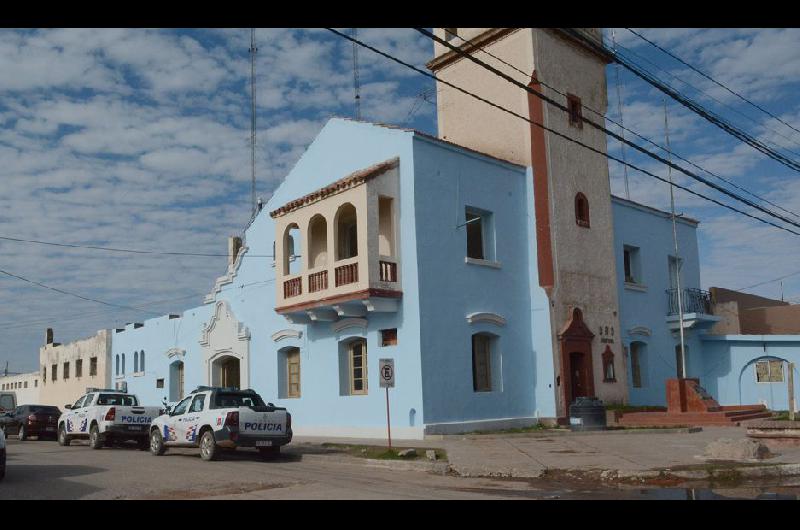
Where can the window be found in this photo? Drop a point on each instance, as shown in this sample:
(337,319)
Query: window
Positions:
(54,372)
(582,210)
(123,364)
(116,369)
(291,245)
(197,403)
(317,242)
(141,361)
(608,366)
(93,366)
(35,383)
(480,230)
(358,367)
(637,352)
(632,267)
(674,265)
(574,111)
(389,337)
(66,370)
(346,232)
(481,363)
(385,227)
(769,371)
(450,33)
(79,368)
(293,373)
(159,383)
(180,408)
(78,404)
(135,361)
(25,384)
(44,374)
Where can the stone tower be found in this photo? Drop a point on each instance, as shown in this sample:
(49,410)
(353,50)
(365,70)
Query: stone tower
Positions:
(575,241)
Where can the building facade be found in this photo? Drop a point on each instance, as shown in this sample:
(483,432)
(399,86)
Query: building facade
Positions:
(24,386)
(67,370)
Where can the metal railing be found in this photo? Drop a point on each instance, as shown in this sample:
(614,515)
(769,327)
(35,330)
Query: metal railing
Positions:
(693,301)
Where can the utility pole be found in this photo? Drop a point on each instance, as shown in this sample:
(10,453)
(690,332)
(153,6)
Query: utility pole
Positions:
(253,51)
(675,241)
(356,81)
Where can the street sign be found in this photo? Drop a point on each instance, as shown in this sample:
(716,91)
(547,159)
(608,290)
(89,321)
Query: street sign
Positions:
(386,369)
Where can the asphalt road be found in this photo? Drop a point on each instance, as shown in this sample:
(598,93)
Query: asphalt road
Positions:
(45,470)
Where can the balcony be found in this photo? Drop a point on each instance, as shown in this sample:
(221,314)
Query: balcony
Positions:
(696,305)
(336,254)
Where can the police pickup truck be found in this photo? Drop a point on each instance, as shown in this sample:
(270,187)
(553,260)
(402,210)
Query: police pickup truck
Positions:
(215,418)
(104,416)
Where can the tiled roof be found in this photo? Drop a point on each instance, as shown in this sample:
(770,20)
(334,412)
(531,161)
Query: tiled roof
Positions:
(351,180)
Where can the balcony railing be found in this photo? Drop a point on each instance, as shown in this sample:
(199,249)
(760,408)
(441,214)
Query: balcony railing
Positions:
(388,271)
(317,281)
(346,274)
(693,301)
(293,287)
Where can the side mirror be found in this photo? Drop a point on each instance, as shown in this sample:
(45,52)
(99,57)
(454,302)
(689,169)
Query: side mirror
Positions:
(67,406)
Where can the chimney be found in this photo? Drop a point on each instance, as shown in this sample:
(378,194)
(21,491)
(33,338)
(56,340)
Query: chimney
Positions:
(234,244)
(48,336)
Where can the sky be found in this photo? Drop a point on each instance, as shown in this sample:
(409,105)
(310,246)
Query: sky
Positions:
(140,139)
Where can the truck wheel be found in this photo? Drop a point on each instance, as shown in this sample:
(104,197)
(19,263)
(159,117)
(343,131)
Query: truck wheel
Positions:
(208,446)
(268,453)
(21,434)
(63,438)
(95,440)
(157,447)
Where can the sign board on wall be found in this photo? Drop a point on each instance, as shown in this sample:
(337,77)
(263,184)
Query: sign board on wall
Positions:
(386,371)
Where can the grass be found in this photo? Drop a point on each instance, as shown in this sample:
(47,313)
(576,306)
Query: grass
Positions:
(517,430)
(379,452)
(632,408)
(783,415)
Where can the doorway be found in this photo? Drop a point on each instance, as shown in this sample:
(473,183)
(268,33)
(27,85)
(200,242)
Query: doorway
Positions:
(226,372)
(579,375)
(176,388)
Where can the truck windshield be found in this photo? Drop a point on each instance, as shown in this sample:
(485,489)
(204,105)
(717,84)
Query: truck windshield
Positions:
(236,399)
(117,399)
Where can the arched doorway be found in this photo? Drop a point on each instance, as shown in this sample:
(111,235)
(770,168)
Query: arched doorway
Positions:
(576,360)
(176,387)
(225,372)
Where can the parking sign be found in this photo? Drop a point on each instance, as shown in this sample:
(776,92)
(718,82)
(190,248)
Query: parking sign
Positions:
(386,369)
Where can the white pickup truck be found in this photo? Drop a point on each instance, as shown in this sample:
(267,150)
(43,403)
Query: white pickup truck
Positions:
(106,415)
(213,418)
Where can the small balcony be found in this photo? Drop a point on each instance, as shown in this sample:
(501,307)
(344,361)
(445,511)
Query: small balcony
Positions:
(696,306)
(336,251)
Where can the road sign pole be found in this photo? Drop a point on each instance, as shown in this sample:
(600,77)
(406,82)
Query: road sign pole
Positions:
(388,422)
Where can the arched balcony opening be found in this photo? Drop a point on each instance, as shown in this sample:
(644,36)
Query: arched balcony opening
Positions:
(292,262)
(346,232)
(317,242)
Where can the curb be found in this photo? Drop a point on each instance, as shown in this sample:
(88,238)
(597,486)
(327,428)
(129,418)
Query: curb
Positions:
(439,466)
(565,432)
(732,472)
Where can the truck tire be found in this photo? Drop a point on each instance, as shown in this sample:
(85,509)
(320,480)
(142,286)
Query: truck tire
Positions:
(157,447)
(208,446)
(95,440)
(63,437)
(268,453)
(22,434)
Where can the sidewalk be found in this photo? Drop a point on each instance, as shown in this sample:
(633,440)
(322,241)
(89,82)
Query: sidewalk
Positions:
(608,455)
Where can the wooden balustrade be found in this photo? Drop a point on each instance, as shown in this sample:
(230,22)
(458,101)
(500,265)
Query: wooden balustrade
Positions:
(317,281)
(388,271)
(293,287)
(346,274)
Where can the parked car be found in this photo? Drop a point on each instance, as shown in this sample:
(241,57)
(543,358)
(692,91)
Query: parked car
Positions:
(31,420)
(2,455)
(104,416)
(212,418)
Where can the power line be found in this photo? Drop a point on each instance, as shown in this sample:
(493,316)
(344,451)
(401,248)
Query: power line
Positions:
(687,102)
(795,273)
(127,250)
(765,111)
(610,133)
(623,128)
(578,142)
(73,294)
(356,81)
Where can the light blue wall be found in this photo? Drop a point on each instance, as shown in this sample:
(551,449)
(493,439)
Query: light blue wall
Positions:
(729,372)
(651,232)
(446,181)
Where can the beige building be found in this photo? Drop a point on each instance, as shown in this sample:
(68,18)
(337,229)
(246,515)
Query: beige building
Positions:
(575,241)
(68,369)
(25,386)
(749,314)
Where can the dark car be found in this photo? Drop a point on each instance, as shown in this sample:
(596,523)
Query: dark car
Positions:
(32,420)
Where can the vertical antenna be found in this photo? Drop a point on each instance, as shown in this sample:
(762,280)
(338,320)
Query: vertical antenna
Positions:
(675,240)
(619,107)
(356,82)
(253,51)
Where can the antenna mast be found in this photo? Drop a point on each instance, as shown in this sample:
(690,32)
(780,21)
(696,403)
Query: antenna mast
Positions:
(253,51)
(356,82)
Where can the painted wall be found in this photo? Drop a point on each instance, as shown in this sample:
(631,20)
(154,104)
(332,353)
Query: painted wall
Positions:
(63,391)
(729,371)
(25,386)
(447,180)
(644,307)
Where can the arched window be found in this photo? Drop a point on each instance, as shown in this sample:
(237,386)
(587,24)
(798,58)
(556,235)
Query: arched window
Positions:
(291,244)
(116,370)
(483,359)
(638,354)
(141,361)
(609,375)
(317,242)
(135,361)
(582,210)
(346,232)
(123,364)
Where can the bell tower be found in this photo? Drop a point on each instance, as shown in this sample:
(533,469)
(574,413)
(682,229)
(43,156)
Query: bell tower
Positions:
(572,193)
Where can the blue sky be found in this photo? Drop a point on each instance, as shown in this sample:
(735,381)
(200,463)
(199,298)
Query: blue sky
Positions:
(140,139)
